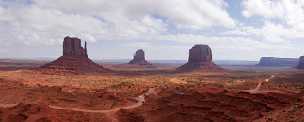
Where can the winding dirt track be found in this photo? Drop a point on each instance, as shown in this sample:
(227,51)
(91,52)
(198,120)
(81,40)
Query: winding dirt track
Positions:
(8,105)
(258,87)
(139,102)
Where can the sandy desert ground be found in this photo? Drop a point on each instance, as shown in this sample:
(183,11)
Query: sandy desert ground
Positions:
(29,95)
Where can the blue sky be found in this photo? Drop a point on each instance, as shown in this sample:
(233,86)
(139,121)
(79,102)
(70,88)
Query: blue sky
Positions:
(235,29)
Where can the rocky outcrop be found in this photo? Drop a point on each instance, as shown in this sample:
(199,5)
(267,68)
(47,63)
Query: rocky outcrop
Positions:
(301,63)
(74,58)
(72,47)
(275,62)
(139,58)
(200,57)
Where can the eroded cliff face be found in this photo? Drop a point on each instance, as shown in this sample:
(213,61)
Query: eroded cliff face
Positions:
(139,58)
(200,57)
(74,58)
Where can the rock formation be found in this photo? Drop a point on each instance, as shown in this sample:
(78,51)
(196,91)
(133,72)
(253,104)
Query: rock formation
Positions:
(75,58)
(200,57)
(301,63)
(273,61)
(72,47)
(139,58)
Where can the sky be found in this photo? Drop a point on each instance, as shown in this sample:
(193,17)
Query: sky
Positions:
(165,29)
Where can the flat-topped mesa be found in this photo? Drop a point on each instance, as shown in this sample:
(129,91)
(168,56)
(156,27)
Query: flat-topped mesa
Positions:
(200,57)
(72,47)
(276,62)
(74,58)
(139,58)
(301,63)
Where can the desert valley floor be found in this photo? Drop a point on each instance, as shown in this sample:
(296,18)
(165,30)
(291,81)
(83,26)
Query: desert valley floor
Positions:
(151,96)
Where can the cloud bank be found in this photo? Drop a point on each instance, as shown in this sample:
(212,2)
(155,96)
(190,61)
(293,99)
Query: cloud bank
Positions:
(154,25)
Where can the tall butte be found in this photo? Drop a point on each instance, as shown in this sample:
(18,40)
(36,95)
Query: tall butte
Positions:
(139,58)
(200,58)
(75,58)
(301,63)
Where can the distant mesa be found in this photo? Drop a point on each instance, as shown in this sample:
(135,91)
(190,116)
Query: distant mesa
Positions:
(200,57)
(75,58)
(301,63)
(277,62)
(139,58)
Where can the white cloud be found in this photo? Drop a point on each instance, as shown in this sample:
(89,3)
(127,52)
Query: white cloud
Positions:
(153,24)
(180,12)
(50,20)
(265,8)
(282,20)
(36,23)
(290,12)
(33,25)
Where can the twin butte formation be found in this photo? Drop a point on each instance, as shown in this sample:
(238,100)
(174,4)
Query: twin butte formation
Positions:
(75,58)
(200,57)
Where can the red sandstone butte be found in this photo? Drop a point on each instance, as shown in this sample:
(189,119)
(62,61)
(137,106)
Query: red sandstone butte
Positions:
(200,57)
(75,58)
(139,58)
